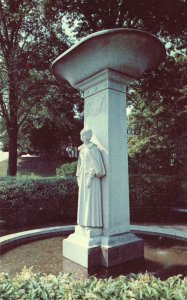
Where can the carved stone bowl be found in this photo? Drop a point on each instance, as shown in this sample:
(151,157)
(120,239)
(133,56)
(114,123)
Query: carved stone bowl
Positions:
(128,51)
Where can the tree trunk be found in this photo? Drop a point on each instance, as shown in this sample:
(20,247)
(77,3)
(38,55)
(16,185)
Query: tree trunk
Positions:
(13,123)
(12,148)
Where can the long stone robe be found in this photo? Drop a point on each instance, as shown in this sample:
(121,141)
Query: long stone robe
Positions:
(90,165)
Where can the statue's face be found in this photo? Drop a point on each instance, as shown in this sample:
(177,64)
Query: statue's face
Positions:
(85,137)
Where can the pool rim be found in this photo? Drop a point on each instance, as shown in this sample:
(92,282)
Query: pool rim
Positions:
(16,239)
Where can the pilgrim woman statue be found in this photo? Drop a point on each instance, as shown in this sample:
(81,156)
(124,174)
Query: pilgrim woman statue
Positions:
(90,169)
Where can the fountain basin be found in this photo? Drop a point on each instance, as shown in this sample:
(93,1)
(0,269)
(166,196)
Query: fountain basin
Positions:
(164,257)
(127,51)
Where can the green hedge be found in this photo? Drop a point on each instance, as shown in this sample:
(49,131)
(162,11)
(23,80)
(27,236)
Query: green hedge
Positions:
(28,285)
(34,202)
(154,197)
(67,170)
(149,190)
(155,190)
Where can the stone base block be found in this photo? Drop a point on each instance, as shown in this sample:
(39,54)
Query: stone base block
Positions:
(106,252)
(86,256)
(112,256)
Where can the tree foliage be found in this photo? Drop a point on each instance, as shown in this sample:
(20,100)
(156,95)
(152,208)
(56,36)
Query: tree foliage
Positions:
(53,126)
(166,18)
(158,99)
(40,110)
(157,121)
(28,44)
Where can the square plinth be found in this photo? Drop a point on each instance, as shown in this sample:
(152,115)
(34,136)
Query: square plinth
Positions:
(123,253)
(84,255)
(90,255)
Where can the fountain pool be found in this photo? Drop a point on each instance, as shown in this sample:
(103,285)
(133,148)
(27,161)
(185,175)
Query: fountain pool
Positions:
(163,257)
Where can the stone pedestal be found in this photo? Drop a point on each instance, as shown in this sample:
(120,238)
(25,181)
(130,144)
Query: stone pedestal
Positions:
(101,66)
(83,247)
(105,114)
(132,248)
(90,249)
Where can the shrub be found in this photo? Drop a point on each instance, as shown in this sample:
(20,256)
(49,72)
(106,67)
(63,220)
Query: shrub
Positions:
(155,190)
(153,196)
(38,202)
(67,170)
(28,285)
(33,202)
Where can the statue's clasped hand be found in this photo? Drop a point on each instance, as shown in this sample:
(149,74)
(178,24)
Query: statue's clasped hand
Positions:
(89,183)
(90,177)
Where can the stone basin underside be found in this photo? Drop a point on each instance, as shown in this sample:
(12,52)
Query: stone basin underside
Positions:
(128,51)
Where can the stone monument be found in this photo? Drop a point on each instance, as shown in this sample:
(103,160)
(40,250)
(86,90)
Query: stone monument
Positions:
(101,66)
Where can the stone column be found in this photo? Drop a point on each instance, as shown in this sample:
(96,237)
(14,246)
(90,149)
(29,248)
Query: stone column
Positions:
(101,65)
(105,114)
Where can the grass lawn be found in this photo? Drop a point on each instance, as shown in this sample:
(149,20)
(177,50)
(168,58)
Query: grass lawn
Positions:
(3,167)
(33,167)
(37,166)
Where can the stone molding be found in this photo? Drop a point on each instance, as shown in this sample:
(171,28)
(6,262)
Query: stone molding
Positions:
(106,79)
